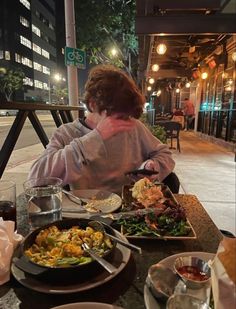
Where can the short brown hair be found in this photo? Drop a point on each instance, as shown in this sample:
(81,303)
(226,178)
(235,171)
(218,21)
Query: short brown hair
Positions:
(114,91)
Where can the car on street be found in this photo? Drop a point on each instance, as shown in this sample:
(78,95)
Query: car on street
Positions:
(8,112)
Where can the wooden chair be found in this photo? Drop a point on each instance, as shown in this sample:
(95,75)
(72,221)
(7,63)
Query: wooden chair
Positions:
(172,129)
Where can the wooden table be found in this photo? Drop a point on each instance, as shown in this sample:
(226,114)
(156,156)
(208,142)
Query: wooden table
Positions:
(60,113)
(126,289)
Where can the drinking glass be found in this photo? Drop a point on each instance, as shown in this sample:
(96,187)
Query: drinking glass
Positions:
(8,200)
(44,200)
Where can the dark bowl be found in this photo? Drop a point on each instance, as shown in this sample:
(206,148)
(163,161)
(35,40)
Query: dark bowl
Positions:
(68,271)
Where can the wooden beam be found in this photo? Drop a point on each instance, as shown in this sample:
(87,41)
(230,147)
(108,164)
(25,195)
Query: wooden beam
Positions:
(191,24)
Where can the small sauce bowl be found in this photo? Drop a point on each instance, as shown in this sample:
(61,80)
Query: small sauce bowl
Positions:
(195,272)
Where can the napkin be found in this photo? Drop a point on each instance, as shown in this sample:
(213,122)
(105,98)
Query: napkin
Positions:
(223,274)
(9,240)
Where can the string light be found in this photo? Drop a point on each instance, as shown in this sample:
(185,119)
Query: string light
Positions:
(177,90)
(187,85)
(161,49)
(155,67)
(151,81)
(234,56)
(204,75)
(149,88)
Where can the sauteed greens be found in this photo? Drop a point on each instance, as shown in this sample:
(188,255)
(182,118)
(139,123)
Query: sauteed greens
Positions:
(62,248)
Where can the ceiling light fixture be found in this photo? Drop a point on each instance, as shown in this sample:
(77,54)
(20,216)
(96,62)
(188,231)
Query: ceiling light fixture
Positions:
(155,67)
(151,81)
(161,48)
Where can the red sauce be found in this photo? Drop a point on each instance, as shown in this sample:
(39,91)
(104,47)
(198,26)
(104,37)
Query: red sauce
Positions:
(192,273)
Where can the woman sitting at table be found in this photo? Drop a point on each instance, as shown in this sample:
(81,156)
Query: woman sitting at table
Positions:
(96,152)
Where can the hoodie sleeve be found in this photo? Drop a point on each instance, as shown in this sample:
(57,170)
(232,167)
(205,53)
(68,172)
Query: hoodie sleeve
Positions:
(68,154)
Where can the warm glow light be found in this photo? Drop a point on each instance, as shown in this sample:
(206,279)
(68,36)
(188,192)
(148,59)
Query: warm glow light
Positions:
(151,81)
(159,92)
(155,67)
(57,77)
(161,49)
(187,85)
(229,88)
(204,75)
(234,56)
(149,88)
(177,90)
(114,52)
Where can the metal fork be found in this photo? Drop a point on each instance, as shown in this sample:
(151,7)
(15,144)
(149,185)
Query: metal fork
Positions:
(108,266)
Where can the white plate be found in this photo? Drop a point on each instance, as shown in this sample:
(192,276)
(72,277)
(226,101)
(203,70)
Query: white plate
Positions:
(150,301)
(87,306)
(104,201)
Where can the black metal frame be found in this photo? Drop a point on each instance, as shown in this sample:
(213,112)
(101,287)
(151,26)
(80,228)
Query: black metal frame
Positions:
(60,113)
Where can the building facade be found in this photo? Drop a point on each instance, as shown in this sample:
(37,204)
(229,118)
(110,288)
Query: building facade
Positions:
(28,42)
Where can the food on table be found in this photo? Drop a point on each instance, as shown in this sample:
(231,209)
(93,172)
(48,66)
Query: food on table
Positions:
(167,218)
(146,192)
(62,248)
(192,273)
(96,205)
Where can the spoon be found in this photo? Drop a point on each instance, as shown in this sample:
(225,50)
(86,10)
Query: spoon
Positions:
(99,227)
(108,266)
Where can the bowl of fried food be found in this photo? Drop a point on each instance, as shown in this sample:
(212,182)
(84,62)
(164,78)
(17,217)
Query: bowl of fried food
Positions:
(58,247)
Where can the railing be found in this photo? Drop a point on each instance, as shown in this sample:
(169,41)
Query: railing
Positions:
(60,114)
(220,124)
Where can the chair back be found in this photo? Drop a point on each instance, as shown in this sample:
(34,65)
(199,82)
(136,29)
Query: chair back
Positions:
(179,119)
(171,127)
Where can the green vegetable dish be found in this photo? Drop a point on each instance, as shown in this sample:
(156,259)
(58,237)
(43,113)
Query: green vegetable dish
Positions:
(167,218)
(63,248)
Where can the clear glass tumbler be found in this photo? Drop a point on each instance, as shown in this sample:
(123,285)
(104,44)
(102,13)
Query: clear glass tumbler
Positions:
(44,200)
(8,200)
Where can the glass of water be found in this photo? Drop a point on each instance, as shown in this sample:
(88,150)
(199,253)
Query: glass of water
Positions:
(44,200)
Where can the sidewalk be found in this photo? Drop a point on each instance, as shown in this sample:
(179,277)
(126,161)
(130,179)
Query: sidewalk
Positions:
(205,169)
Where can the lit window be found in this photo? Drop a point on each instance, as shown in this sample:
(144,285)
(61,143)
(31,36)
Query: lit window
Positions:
(45,53)
(51,26)
(45,86)
(36,30)
(7,55)
(37,67)
(36,48)
(38,84)
(24,21)
(28,81)
(26,62)
(17,58)
(46,70)
(25,42)
(26,3)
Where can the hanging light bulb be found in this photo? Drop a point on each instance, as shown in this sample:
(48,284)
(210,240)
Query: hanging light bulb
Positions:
(204,75)
(155,67)
(149,88)
(234,56)
(177,90)
(151,81)
(187,85)
(161,48)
